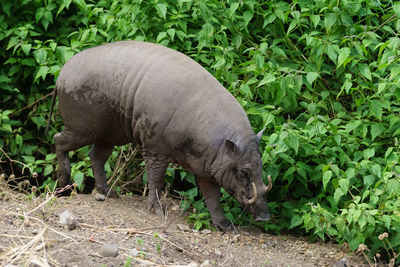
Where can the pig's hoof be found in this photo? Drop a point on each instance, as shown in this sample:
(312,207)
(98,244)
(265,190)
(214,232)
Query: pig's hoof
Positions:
(112,194)
(107,192)
(225,226)
(157,209)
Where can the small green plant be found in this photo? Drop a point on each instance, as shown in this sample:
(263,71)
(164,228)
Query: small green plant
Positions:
(158,241)
(139,244)
(200,220)
(128,262)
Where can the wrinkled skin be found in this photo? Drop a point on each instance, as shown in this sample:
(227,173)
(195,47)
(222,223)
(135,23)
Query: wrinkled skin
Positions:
(173,108)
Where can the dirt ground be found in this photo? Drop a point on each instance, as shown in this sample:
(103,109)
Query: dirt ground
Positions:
(31,235)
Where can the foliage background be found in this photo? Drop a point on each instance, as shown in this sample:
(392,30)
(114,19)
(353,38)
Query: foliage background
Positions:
(322,77)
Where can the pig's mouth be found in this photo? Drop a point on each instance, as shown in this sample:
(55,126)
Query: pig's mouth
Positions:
(251,200)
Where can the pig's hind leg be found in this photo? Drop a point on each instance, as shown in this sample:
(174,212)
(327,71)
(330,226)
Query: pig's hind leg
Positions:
(66,141)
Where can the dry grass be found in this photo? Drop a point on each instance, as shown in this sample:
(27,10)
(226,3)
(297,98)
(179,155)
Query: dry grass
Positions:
(24,248)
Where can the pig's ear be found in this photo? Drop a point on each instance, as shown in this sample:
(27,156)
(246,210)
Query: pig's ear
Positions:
(259,135)
(230,147)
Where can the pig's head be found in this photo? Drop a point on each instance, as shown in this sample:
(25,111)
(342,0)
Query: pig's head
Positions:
(241,176)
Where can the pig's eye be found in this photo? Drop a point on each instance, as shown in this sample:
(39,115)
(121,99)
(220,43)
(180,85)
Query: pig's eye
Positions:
(245,173)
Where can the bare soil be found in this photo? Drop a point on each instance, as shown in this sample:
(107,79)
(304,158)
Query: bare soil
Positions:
(31,235)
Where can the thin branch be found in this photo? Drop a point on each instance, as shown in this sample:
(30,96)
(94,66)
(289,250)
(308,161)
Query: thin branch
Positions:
(31,104)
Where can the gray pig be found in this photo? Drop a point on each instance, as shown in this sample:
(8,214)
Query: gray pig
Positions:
(173,109)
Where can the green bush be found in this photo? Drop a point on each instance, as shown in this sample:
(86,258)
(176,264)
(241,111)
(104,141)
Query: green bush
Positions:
(321,76)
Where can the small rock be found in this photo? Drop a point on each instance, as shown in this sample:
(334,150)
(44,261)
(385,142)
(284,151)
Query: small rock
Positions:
(341,263)
(134,252)
(109,250)
(68,220)
(99,197)
(235,239)
(183,227)
(34,231)
(218,252)
(205,231)
(205,263)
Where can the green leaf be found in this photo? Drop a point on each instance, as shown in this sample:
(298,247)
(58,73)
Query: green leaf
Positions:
(350,173)
(237,40)
(368,153)
(355,242)
(233,8)
(368,180)
(387,220)
(343,55)
(326,178)
(315,20)
(347,85)
(292,141)
(344,185)
(28,159)
(40,55)
(171,33)
(161,36)
(65,4)
(279,13)
(245,89)
(364,70)
(12,42)
(376,170)
(4,79)
(247,16)
(6,128)
(292,25)
(396,8)
(39,14)
(48,170)
(338,194)
(269,19)
(330,20)
(42,72)
(312,76)
(50,157)
(331,52)
(78,179)
(26,48)
(80,4)
(295,221)
(49,16)
(268,78)
(394,72)
(362,222)
(377,129)
(388,152)
(259,59)
(18,140)
(375,107)
(162,10)
(219,64)
(64,53)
